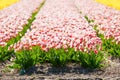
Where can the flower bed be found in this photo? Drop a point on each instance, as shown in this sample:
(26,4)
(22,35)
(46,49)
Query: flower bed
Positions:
(60,25)
(62,31)
(14,18)
(106,18)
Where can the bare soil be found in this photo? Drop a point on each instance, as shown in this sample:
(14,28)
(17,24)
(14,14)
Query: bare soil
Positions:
(72,71)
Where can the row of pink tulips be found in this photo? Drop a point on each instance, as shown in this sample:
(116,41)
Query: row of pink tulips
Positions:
(59,24)
(106,18)
(13,18)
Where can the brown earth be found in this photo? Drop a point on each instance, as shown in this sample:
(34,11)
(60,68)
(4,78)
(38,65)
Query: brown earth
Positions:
(71,72)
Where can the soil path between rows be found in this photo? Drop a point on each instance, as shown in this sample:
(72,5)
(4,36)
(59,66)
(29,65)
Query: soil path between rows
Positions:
(72,71)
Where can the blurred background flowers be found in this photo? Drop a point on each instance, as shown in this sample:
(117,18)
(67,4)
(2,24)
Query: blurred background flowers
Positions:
(112,3)
(5,3)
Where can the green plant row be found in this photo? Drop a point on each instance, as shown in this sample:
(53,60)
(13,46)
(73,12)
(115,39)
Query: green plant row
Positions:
(57,57)
(108,45)
(4,52)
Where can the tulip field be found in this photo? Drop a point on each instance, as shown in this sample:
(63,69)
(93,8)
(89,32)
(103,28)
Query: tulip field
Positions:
(58,32)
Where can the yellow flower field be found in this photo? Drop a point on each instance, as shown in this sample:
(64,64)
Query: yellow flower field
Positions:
(5,3)
(112,3)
